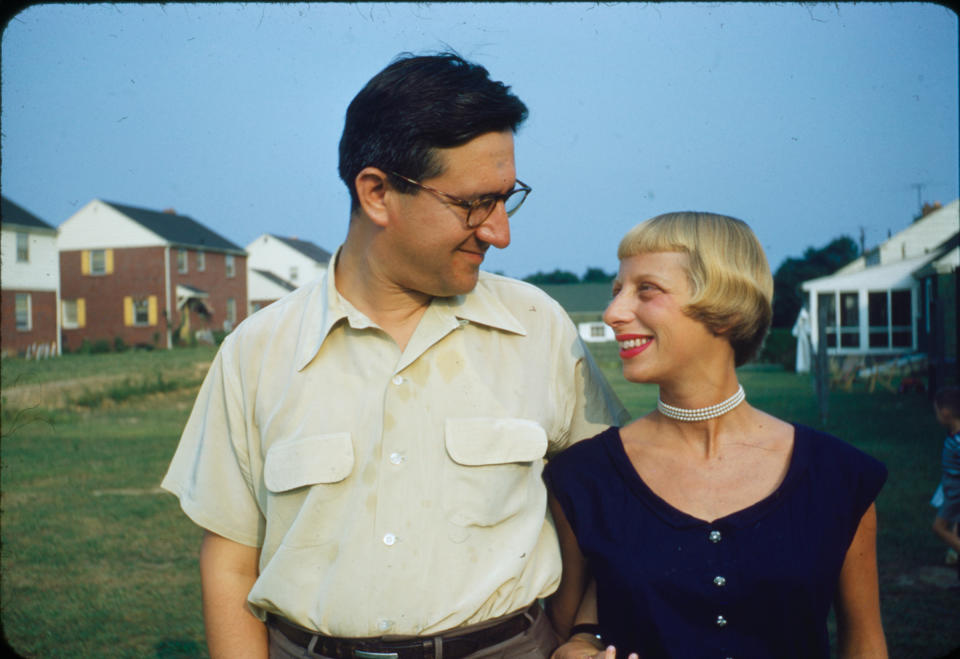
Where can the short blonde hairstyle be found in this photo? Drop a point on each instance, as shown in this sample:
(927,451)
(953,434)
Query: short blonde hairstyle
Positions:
(729,274)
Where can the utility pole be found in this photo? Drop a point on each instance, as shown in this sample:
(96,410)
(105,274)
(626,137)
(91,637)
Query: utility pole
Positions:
(919,187)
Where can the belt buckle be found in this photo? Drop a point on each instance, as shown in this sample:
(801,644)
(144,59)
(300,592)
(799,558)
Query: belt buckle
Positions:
(366,654)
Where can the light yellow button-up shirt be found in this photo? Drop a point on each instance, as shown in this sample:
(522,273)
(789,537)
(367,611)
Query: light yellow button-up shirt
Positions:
(391,492)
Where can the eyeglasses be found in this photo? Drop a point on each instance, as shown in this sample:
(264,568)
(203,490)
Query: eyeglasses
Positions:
(481,208)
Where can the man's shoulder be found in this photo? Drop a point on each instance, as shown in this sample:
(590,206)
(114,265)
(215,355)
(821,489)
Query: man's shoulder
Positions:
(516,293)
(278,317)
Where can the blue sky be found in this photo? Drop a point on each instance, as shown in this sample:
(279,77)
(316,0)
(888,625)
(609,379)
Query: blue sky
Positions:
(806,120)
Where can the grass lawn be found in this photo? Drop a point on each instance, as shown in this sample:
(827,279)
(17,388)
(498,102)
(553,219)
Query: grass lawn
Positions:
(93,552)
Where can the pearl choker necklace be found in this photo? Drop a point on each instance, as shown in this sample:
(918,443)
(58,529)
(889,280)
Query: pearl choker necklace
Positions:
(703,413)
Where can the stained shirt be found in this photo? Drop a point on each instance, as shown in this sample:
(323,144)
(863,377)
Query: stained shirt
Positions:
(755,584)
(391,491)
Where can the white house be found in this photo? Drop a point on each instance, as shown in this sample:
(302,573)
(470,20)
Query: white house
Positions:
(30,276)
(596,332)
(277,265)
(891,300)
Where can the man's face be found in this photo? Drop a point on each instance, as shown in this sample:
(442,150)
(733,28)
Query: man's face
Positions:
(431,249)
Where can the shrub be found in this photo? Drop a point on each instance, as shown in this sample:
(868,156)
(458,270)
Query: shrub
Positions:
(100,346)
(119,345)
(779,348)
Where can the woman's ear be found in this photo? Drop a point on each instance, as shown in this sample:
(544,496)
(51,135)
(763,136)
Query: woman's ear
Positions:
(372,187)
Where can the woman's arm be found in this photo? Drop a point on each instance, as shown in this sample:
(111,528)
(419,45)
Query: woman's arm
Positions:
(228,571)
(575,601)
(859,628)
(562,606)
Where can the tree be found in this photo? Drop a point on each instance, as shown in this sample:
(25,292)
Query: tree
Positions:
(596,275)
(788,297)
(556,277)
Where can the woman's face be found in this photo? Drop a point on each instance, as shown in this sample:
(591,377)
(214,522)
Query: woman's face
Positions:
(658,341)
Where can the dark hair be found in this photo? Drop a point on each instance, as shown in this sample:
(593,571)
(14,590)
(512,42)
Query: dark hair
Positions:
(948,398)
(418,104)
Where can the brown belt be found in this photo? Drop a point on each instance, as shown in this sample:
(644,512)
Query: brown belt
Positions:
(422,647)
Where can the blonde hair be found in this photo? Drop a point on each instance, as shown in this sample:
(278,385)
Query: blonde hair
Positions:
(729,274)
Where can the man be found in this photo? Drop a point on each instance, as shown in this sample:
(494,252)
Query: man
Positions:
(365,454)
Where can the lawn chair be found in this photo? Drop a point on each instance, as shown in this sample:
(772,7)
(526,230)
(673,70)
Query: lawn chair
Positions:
(843,375)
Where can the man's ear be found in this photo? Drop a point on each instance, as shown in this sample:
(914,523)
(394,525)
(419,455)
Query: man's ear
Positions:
(372,188)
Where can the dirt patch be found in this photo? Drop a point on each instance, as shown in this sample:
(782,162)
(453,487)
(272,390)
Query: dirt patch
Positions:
(59,394)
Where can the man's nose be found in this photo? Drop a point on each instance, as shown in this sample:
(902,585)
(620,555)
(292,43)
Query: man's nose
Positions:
(496,229)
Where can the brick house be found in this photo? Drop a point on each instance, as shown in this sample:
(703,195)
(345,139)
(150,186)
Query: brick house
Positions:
(277,265)
(146,277)
(30,283)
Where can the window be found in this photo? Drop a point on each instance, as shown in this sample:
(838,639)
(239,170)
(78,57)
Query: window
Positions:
(201,261)
(849,320)
(23,247)
(900,317)
(231,268)
(98,261)
(24,318)
(293,273)
(890,317)
(140,311)
(181,260)
(828,301)
(597,330)
(877,312)
(231,310)
(74,313)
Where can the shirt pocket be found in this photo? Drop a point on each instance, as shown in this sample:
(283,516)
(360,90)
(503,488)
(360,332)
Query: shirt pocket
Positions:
(306,479)
(494,468)
(309,461)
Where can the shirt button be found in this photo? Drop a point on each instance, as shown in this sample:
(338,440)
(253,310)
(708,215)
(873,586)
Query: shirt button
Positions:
(719,581)
(396,458)
(721,621)
(715,536)
(398,379)
(389,539)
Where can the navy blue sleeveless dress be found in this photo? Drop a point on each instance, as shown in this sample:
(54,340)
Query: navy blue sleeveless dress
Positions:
(755,584)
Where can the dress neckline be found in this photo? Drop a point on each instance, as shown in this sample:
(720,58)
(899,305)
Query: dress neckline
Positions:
(678,518)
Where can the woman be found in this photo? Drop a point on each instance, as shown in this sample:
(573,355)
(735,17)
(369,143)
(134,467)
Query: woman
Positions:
(708,528)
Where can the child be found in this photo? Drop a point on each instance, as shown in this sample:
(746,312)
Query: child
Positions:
(946,405)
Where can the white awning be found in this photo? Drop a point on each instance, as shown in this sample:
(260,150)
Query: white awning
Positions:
(186,293)
(875,278)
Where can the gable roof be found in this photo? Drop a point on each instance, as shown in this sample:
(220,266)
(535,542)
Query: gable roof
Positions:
(177,229)
(305,247)
(11,213)
(279,281)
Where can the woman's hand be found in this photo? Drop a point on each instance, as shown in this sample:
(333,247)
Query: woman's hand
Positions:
(577,648)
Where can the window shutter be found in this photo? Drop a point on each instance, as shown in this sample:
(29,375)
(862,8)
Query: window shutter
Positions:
(108,261)
(128,311)
(85,262)
(81,312)
(152,310)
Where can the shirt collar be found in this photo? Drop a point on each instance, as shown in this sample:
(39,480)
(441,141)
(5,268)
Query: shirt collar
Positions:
(326,307)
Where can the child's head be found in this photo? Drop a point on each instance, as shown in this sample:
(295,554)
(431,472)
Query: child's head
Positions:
(946,405)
